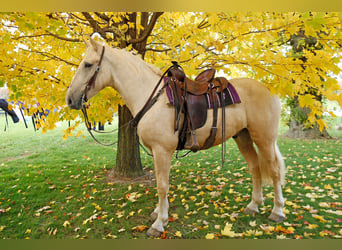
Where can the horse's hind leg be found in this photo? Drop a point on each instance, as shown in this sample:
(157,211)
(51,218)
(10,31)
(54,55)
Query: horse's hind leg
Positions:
(245,144)
(162,163)
(273,168)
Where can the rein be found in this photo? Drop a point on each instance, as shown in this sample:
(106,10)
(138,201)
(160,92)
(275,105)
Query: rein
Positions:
(152,99)
(89,128)
(90,84)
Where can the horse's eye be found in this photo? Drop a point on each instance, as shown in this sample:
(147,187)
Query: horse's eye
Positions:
(88,65)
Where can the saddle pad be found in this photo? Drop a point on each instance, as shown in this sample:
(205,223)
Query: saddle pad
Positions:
(230,96)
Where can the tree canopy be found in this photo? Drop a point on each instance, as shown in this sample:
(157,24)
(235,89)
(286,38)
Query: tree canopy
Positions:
(42,50)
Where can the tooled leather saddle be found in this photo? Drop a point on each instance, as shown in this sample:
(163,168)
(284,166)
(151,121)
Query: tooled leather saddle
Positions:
(193,99)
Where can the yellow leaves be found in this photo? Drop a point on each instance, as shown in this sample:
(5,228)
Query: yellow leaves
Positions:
(210,236)
(320,218)
(311,226)
(252,223)
(66,223)
(123,28)
(97,207)
(227,231)
(2,228)
(133,196)
(306,100)
(120,214)
(130,214)
(267,229)
(322,124)
(178,234)
(253,233)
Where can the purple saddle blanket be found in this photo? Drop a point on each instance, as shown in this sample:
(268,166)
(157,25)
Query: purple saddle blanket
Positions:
(230,96)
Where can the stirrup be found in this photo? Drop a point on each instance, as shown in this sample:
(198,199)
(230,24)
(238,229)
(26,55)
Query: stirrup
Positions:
(194,146)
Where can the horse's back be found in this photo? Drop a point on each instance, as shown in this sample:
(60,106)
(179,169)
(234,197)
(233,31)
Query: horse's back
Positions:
(255,94)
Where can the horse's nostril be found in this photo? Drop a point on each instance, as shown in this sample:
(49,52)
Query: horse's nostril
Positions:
(69,101)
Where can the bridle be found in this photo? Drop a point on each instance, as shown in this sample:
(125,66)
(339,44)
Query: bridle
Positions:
(90,84)
(92,80)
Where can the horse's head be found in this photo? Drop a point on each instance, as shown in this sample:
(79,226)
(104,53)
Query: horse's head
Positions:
(90,76)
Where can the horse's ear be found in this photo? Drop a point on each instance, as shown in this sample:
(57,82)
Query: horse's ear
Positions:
(93,43)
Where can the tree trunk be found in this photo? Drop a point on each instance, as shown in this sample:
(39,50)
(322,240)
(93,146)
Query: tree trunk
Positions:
(299,115)
(128,163)
(297,130)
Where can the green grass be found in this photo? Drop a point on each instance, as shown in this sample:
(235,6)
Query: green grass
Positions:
(52,189)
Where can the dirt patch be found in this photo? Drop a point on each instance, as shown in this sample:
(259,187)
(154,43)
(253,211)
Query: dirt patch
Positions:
(147,179)
(13,158)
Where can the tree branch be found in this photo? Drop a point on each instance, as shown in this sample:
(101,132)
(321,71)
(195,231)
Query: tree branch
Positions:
(148,30)
(49,34)
(103,16)
(94,24)
(51,56)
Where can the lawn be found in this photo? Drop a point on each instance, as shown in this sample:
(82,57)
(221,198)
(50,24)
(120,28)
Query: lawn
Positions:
(52,188)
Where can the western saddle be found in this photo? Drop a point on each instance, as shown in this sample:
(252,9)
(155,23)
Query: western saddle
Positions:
(193,99)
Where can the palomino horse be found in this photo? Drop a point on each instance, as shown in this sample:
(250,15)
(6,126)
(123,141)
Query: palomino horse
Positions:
(253,121)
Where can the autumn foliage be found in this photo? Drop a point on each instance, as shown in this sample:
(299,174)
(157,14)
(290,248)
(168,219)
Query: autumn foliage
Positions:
(42,51)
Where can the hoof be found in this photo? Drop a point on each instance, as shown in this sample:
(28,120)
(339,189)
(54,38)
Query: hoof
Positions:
(151,232)
(248,210)
(276,218)
(154,216)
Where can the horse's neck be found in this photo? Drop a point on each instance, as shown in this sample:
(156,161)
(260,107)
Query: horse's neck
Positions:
(134,80)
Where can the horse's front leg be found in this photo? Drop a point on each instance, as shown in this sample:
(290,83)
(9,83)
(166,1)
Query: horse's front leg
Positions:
(162,163)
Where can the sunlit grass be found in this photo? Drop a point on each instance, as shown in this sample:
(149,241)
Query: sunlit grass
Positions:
(55,188)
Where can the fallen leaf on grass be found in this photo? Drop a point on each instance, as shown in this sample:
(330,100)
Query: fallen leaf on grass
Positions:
(66,223)
(210,236)
(140,228)
(320,218)
(339,213)
(97,207)
(310,226)
(227,231)
(43,208)
(163,235)
(252,223)
(267,229)
(130,214)
(178,234)
(253,232)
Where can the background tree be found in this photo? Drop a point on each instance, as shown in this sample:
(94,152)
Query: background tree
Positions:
(298,125)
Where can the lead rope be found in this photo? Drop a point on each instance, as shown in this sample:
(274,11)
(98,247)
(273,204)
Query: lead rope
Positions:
(89,128)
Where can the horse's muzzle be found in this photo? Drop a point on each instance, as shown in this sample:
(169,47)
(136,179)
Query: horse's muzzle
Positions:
(74,104)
